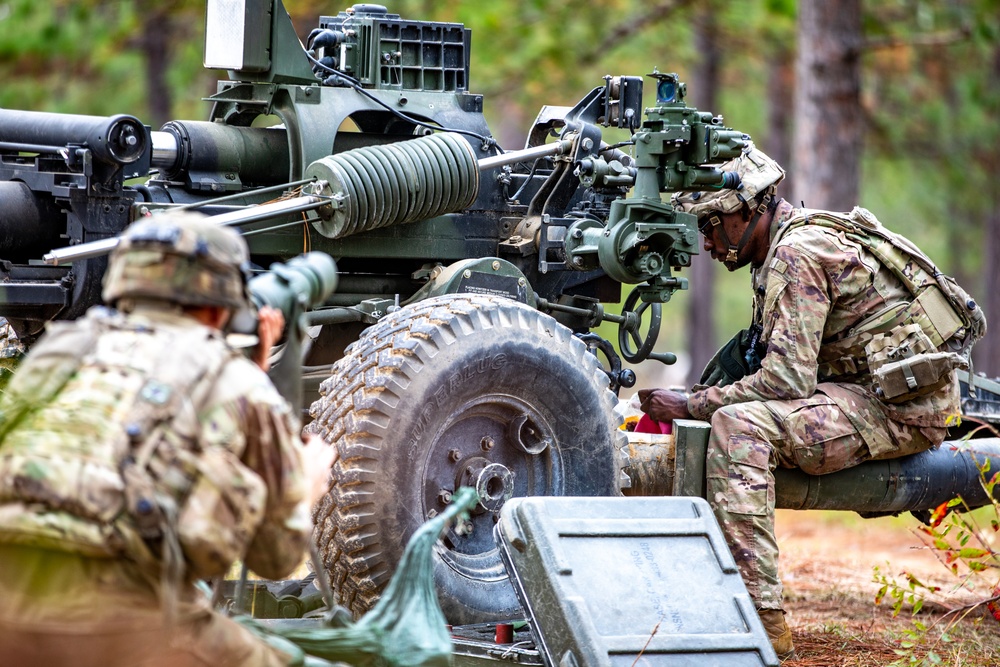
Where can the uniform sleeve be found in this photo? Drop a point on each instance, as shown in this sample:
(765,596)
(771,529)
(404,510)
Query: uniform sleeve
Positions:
(271,448)
(273,444)
(797,302)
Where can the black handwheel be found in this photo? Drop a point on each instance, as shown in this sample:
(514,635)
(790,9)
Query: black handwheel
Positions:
(612,365)
(451,391)
(630,329)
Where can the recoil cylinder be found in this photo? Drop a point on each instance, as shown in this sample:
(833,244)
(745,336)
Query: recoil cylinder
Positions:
(397,183)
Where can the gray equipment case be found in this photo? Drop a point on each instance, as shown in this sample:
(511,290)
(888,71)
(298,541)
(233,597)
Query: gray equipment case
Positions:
(629,581)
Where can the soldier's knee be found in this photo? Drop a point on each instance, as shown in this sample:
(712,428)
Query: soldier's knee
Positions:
(739,419)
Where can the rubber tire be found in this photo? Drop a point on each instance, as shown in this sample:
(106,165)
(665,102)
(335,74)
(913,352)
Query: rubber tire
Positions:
(404,396)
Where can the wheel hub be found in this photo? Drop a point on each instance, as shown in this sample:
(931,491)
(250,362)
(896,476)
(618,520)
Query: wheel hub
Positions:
(494,483)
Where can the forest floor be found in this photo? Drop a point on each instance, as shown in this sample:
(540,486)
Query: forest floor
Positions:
(827,561)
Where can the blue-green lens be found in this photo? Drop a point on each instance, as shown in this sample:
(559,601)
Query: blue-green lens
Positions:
(666,91)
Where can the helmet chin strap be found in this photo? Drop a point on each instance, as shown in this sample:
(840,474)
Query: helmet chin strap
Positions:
(732,256)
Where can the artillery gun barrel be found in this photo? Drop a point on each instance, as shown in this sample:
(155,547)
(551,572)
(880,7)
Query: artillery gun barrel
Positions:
(443,164)
(120,139)
(254,155)
(917,482)
(247,215)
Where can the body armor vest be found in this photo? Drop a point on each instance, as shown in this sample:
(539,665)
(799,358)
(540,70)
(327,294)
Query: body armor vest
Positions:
(100,450)
(907,349)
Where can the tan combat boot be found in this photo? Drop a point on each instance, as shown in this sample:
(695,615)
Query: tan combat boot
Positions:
(778,632)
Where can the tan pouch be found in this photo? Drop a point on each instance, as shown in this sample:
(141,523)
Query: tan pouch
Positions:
(221,514)
(901,381)
(905,364)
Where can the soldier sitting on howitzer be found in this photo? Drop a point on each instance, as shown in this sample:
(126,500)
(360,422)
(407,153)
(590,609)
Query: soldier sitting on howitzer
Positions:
(851,356)
(139,452)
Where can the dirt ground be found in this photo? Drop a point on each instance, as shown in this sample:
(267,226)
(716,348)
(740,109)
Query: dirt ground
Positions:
(827,561)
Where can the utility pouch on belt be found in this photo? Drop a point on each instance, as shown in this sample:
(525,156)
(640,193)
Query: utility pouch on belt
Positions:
(905,364)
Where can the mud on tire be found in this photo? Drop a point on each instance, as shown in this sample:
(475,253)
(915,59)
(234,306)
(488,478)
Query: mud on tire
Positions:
(455,390)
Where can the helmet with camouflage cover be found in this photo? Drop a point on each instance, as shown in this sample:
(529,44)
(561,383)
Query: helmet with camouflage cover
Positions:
(759,177)
(758,173)
(180,257)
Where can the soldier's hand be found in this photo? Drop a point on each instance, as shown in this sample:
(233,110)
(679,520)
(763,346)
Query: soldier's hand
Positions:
(317,459)
(270,325)
(663,405)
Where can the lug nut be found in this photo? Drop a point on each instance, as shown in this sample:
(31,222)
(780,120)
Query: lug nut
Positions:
(487,443)
(454,455)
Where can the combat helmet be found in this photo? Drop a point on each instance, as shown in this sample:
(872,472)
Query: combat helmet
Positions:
(759,178)
(180,257)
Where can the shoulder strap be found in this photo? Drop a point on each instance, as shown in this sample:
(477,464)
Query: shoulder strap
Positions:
(950,311)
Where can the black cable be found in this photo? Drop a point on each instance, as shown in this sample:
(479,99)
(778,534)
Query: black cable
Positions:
(488,142)
(630,142)
(534,166)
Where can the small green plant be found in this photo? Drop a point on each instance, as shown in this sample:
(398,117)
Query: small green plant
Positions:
(965,542)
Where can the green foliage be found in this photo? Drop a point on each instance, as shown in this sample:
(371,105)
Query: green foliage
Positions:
(965,543)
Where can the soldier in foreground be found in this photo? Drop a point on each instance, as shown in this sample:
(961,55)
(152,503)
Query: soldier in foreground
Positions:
(850,357)
(139,452)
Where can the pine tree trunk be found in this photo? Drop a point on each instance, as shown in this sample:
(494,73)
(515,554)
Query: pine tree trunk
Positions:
(704,86)
(828,128)
(155,46)
(987,351)
(780,121)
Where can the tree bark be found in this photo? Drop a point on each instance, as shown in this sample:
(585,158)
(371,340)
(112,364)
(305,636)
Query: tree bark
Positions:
(780,105)
(155,47)
(702,341)
(828,119)
(987,351)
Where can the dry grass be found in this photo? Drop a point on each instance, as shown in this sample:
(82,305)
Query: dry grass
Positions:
(827,560)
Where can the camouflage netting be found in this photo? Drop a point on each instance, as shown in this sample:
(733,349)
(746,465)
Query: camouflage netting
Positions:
(406,628)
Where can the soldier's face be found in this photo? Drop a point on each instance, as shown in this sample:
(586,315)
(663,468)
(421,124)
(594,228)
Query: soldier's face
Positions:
(720,237)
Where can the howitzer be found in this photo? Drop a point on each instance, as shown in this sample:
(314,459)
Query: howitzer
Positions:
(369,146)
(451,354)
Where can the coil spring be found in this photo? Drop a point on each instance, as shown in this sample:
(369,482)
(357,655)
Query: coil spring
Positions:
(397,183)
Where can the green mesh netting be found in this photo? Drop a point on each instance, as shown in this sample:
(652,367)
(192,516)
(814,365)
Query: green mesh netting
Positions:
(406,628)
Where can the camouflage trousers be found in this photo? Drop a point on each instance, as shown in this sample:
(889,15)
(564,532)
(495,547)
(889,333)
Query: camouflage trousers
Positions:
(747,442)
(64,610)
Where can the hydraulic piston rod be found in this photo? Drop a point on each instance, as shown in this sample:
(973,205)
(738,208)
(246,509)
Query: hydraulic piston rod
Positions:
(374,187)
(250,214)
(545,150)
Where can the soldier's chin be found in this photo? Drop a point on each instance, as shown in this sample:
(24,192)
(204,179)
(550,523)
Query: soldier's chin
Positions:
(740,262)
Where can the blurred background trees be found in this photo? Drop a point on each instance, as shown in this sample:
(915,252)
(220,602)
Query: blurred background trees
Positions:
(890,104)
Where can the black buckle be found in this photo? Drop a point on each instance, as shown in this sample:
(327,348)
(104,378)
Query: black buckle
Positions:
(706,221)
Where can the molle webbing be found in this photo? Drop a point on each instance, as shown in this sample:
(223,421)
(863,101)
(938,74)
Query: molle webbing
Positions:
(938,306)
(104,391)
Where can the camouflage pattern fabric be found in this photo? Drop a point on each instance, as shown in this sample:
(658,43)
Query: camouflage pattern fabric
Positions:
(815,286)
(758,173)
(234,412)
(179,257)
(749,440)
(66,610)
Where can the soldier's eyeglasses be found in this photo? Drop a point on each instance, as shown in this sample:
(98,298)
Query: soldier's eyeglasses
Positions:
(706,222)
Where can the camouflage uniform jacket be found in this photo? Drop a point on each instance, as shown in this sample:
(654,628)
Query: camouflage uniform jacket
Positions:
(814,287)
(234,411)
